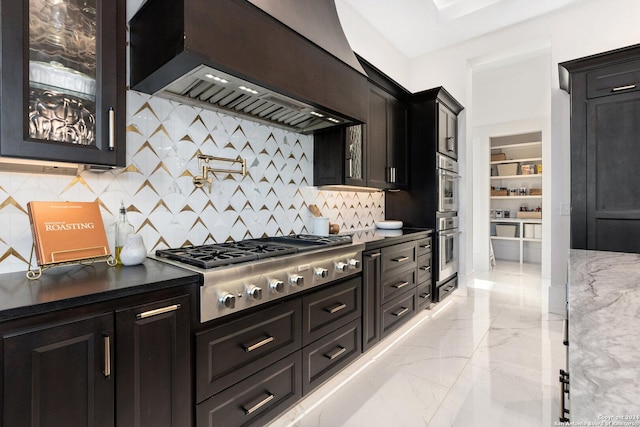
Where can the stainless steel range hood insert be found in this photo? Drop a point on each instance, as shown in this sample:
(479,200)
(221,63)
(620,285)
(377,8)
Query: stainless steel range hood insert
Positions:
(233,56)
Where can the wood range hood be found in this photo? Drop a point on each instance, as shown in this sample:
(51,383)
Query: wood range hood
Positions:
(285,63)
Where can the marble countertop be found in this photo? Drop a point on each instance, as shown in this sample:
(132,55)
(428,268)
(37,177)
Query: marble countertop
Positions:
(604,336)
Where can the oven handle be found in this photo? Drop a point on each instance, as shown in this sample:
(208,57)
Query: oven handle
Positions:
(450,174)
(447,233)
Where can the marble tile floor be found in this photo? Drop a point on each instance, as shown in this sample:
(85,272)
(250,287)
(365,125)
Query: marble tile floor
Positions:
(487,356)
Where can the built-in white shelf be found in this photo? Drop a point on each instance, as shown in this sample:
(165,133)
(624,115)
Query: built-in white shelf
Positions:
(527,160)
(515,197)
(533,175)
(518,220)
(523,148)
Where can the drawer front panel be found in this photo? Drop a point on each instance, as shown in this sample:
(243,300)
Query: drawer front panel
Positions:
(444,290)
(399,257)
(330,354)
(397,312)
(424,246)
(231,352)
(257,399)
(423,294)
(398,284)
(328,309)
(614,79)
(424,268)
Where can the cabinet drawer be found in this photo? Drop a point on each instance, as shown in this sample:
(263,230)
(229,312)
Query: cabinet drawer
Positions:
(398,284)
(397,312)
(423,294)
(231,352)
(424,246)
(257,399)
(424,267)
(614,79)
(445,289)
(329,355)
(398,257)
(328,309)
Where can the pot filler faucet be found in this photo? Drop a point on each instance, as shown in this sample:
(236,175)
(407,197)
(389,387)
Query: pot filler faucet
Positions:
(203,164)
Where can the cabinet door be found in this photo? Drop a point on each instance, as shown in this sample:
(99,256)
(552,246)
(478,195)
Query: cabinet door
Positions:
(447,132)
(377,139)
(397,161)
(154,368)
(63,95)
(371,282)
(59,374)
(612,173)
(339,157)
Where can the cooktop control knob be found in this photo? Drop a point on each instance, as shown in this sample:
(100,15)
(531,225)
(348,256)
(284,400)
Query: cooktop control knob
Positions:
(254,292)
(342,266)
(228,300)
(354,264)
(296,279)
(321,272)
(276,285)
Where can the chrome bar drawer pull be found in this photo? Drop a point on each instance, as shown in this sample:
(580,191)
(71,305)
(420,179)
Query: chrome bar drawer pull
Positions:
(258,344)
(107,354)
(374,255)
(112,129)
(401,285)
(619,88)
(258,405)
(402,312)
(336,353)
(400,259)
(425,296)
(157,311)
(425,268)
(336,309)
(427,246)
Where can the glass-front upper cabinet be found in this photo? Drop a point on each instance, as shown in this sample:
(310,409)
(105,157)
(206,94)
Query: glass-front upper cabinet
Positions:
(63,80)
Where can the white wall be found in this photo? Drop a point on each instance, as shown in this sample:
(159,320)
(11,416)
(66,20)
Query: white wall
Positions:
(371,45)
(573,32)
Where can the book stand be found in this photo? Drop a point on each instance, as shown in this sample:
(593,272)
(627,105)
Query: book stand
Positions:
(33,274)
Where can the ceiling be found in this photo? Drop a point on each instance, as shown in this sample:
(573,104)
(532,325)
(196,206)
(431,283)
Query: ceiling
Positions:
(417,27)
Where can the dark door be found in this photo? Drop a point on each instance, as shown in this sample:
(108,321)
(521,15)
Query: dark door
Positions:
(58,375)
(371,283)
(377,139)
(447,132)
(397,144)
(154,369)
(613,173)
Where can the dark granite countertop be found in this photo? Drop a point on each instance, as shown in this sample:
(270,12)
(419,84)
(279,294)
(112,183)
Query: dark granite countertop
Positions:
(75,285)
(375,238)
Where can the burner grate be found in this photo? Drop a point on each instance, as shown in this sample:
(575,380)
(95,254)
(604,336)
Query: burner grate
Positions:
(206,256)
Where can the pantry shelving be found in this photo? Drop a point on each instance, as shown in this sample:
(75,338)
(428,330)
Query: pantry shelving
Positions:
(513,238)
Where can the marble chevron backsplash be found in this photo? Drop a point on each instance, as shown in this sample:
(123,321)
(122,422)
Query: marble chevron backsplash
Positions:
(163,141)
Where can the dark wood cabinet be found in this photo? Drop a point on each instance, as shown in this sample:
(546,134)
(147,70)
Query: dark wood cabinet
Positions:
(397,283)
(386,141)
(371,290)
(433,116)
(257,399)
(605,106)
(447,132)
(63,81)
(100,365)
(233,351)
(153,377)
(60,374)
(371,155)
